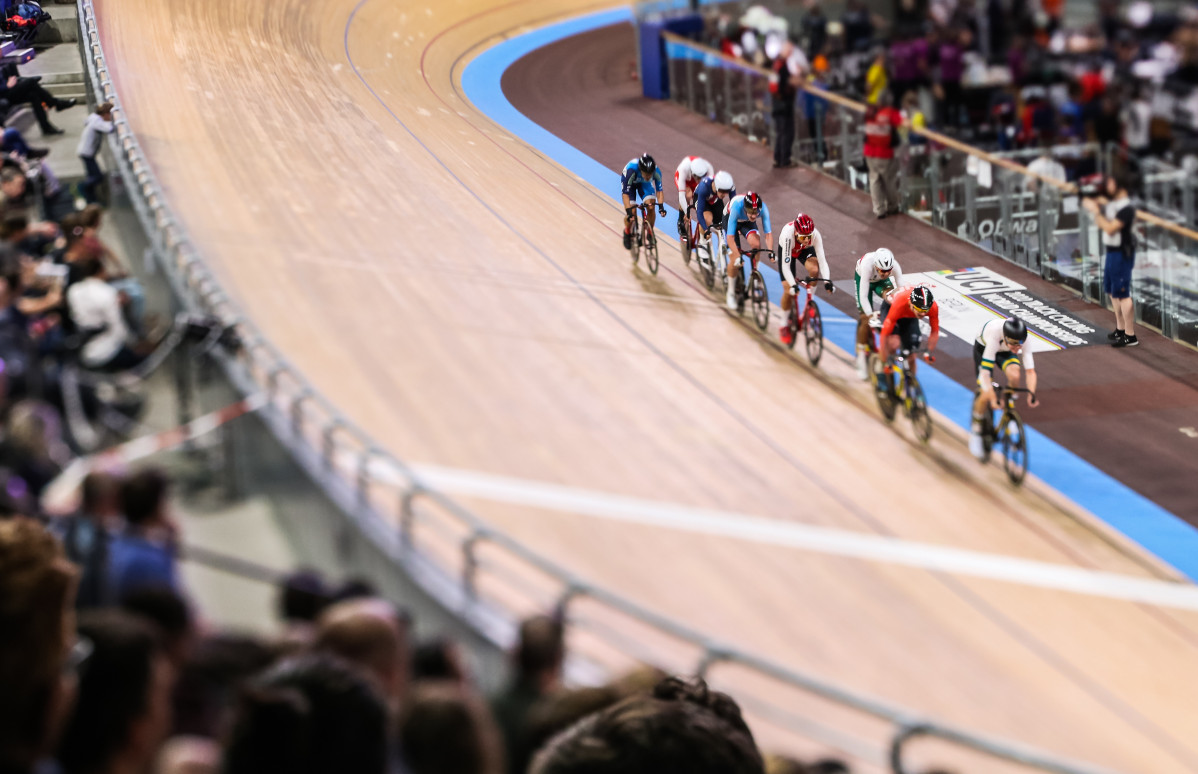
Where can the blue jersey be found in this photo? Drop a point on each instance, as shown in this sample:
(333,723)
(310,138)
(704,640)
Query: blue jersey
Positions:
(707,200)
(633,182)
(738,220)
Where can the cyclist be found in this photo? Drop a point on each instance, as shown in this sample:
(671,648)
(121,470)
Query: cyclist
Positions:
(999,344)
(800,242)
(690,172)
(902,315)
(743,213)
(641,179)
(877,274)
(712,195)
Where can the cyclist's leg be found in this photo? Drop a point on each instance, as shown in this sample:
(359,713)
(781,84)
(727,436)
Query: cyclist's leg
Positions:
(627,214)
(651,208)
(909,332)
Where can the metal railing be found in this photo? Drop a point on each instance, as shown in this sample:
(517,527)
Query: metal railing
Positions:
(990,201)
(474,570)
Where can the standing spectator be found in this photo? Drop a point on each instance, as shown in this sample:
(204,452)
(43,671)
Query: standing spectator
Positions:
(446,729)
(85,536)
(1107,126)
(815,107)
(815,29)
(858,27)
(789,68)
(1073,114)
(144,553)
(97,125)
(370,634)
(538,659)
(881,129)
(124,710)
(949,54)
(171,616)
(39,655)
(301,599)
(876,77)
(1114,217)
(1137,123)
(440,659)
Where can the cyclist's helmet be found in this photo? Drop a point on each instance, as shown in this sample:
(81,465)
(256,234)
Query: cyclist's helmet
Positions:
(1014,331)
(700,168)
(647,164)
(921,299)
(883,259)
(723,182)
(752,201)
(804,225)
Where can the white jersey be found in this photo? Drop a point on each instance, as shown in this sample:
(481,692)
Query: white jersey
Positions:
(791,251)
(867,271)
(686,180)
(993,344)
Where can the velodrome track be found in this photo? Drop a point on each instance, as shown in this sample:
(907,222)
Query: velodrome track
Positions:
(463,297)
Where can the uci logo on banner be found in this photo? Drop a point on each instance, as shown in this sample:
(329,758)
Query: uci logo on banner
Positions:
(975,281)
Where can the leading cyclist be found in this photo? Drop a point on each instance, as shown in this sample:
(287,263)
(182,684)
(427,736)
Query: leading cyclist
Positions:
(999,344)
(641,179)
(902,315)
(800,242)
(743,213)
(878,275)
(687,177)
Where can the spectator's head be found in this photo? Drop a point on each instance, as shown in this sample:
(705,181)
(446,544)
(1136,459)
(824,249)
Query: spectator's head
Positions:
(371,635)
(11,276)
(355,588)
(208,683)
(540,652)
(439,659)
(308,715)
(100,497)
(37,587)
(302,597)
(12,183)
(86,268)
(144,498)
(1116,185)
(104,110)
(13,225)
(885,98)
(445,729)
(681,727)
(171,615)
(90,217)
(124,711)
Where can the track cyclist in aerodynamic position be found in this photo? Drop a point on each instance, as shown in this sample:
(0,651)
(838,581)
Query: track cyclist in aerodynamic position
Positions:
(691,171)
(712,196)
(800,242)
(877,275)
(743,214)
(901,316)
(641,179)
(1000,344)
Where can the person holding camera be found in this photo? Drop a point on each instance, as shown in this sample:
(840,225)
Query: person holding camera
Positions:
(1115,215)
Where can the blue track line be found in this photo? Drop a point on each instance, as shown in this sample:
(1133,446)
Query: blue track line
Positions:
(1158,530)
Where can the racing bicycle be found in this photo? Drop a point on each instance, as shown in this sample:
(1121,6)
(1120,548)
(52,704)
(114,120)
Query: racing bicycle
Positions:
(902,390)
(808,322)
(643,236)
(712,256)
(756,293)
(1008,433)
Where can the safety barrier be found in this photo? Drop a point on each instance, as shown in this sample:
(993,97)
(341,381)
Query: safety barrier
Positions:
(477,572)
(983,198)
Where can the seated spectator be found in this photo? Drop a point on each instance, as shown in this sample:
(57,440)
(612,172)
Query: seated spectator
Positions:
(28,91)
(308,715)
(13,142)
(33,447)
(536,674)
(370,634)
(123,713)
(216,668)
(680,727)
(32,239)
(301,599)
(39,655)
(440,659)
(143,554)
(447,729)
(172,618)
(18,192)
(97,125)
(96,307)
(85,536)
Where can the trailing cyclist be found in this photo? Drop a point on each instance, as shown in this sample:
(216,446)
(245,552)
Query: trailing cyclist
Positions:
(687,177)
(877,275)
(901,316)
(999,344)
(800,242)
(712,195)
(743,214)
(640,179)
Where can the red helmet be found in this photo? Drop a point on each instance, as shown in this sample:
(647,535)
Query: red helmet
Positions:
(804,225)
(752,200)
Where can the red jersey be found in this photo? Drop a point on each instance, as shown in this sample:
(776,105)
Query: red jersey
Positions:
(900,307)
(879,133)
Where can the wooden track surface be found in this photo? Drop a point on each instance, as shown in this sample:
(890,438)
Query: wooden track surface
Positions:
(467,301)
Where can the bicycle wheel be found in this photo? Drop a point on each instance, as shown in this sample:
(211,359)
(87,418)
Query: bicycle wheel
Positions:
(792,322)
(651,249)
(739,292)
(1014,447)
(813,333)
(685,242)
(921,420)
(760,298)
(987,434)
(635,250)
(706,265)
(886,402)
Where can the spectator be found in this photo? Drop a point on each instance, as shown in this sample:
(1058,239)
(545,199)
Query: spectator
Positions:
(369,634)
(39,655)
(209,681)
(1107,126)
(538,658)
(1137,123)
(96,307)
(33,448)
(97,125)
(881,127)
(124,712)
(355,588)
(789,69)
(301,599)
(858,27)
(143,554)
(28,91)
(83,229)
(446,729)
(86,534)
(680,727)
(815,29)
(1115,217)
(13,142)
(171,615)
(308,715)
(815,107)
(949,53)
(440,659)
(1073,114)
(876,78)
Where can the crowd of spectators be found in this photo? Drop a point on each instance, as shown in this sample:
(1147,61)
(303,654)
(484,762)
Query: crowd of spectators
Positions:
(106,668)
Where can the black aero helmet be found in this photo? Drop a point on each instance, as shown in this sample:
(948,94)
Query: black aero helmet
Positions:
(921,298)
(647,164)
(1014,330)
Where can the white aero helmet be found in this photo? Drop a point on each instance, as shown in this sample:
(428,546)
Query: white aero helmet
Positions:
(700,168)
(883,259)
(723,181)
